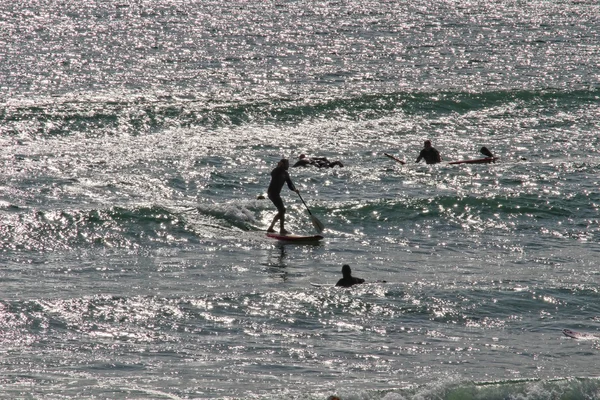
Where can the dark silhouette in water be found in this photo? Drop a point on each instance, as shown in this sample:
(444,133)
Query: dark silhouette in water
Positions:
(348,280)
(484,150)
(319,162)
(430,154)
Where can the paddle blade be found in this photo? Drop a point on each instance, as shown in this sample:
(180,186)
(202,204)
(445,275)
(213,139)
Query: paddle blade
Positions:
(484,150)
(316,223)
(319,227)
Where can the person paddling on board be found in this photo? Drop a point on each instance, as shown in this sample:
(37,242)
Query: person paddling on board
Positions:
(279,177)
(430,154)
(319,162)
(348,280)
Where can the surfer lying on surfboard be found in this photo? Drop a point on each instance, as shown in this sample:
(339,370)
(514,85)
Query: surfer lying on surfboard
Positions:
(319,162)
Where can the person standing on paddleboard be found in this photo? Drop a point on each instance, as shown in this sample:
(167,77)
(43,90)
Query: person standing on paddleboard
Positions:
(430,154)
(279,177)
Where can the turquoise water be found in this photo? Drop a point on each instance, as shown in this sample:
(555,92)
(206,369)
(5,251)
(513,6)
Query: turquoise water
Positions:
(136,139)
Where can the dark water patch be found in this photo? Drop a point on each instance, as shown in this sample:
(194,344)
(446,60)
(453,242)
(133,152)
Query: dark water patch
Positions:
(522,209)
(526,389)
(568,388)
(114,227)
(96,118)
(310,326)
(291,312)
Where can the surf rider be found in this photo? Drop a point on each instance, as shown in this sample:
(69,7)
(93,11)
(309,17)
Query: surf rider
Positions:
(430,154)
(319,162)
(279,177)
(348,280)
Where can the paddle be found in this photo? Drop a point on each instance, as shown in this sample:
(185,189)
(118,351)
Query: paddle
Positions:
(394,158)
(484,150)
(316,223)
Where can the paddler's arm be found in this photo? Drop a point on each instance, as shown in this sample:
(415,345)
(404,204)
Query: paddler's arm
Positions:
(290,184)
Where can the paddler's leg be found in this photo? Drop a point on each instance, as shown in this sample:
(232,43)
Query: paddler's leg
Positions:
(273,223)
(278,202)
(282,223)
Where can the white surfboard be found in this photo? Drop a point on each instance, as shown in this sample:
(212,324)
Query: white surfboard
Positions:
(580,335)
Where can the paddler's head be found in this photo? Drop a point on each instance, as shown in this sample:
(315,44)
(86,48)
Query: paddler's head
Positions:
(427,144)
(284,163)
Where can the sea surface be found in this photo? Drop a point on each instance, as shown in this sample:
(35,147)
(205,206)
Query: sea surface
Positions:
(136,143)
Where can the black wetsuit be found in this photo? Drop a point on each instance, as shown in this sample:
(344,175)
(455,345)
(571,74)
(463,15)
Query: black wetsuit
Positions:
(349,281)
(431,155)
(303,162)
(279,176)
(319,162)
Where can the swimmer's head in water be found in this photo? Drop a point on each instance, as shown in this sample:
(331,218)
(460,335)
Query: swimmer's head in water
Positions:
(346,271)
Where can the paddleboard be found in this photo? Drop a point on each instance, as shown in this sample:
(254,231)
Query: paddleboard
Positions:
(394,158)
(476,161)
(579,335)
(333,285)
(293,238)
(322,284)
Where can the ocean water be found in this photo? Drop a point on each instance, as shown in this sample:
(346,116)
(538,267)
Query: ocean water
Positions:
(136,141)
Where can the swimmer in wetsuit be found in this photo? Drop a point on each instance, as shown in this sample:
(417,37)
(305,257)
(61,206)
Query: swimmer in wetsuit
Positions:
(348,280)
(279,177)
(430,154)
(319,162)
